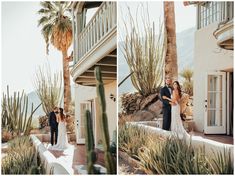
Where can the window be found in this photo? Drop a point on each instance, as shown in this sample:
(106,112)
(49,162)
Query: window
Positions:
(210,12)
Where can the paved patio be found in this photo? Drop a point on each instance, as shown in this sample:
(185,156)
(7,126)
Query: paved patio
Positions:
(76,155)
(215,137)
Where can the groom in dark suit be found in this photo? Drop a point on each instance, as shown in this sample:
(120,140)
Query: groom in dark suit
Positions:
(166,91)
(54,125)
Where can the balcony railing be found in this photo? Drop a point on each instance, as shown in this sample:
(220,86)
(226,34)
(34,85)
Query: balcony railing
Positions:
(210,12)
(100,25)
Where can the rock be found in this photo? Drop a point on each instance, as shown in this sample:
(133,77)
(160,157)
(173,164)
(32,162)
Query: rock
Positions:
(146,101)
(131,103)
(143,115)
(156,107)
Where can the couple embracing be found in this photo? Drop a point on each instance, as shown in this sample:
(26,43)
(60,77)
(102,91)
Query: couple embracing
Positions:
(171,95)
(57,122)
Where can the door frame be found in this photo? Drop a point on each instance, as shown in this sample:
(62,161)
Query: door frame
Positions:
(81,140)
(216,129)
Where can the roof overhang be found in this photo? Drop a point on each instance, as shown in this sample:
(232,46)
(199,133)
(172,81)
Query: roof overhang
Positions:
(108,66)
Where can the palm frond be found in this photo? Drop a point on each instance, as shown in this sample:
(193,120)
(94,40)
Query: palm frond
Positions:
(55,25)
(44,20)
(46,32)
(47,5)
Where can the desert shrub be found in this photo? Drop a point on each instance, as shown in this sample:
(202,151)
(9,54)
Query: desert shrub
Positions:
(131,139)
(15,116)
(48,87)
(6,135)
(43,121)
(158,155)
(175,156)
(21,158)
(144,51)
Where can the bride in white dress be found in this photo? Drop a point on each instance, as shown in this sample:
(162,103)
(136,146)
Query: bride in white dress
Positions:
(176,122)
(62,141)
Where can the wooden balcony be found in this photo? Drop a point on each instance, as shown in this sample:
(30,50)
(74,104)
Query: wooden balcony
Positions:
(96,46)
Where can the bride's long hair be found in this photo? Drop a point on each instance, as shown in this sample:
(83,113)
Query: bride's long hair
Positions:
(178,88)
(62,116)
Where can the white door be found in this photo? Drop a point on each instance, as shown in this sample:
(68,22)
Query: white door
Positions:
(86,105)
(215,103)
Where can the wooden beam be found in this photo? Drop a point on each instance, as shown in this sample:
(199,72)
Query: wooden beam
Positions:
(107,61)
(111,55)
(91,74)
(114,52)
(92,83)
(103,77)
(94,4)
(104,69)
(110,65)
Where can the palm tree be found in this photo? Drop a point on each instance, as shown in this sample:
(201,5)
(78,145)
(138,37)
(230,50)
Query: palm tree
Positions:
(56,28)
(187,74)
(171,66)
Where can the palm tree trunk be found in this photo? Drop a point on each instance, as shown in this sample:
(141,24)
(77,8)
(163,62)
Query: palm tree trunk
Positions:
(171,66)
(67,89)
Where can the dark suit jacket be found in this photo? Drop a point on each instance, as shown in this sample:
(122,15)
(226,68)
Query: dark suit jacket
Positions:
(52,120)
(165,92)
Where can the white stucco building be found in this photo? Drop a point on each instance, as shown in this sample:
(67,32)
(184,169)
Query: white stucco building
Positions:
(213,67)
(95,44)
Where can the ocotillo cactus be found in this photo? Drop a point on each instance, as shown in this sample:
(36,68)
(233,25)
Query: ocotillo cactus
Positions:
(14,113)
(91,155)
(109,162)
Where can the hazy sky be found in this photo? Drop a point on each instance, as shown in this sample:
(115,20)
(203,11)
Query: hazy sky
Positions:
(23,47)
(185,16)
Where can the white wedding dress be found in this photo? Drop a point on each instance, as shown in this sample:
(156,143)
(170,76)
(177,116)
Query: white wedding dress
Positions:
(62,140)
(176,123)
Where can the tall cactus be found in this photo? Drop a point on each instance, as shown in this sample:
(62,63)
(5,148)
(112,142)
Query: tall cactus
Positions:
(109,161)
(14,113)
(91,155)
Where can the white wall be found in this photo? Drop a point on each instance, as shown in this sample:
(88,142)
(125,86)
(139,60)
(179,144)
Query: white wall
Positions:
(83,93)
(111,106)
(207,57)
